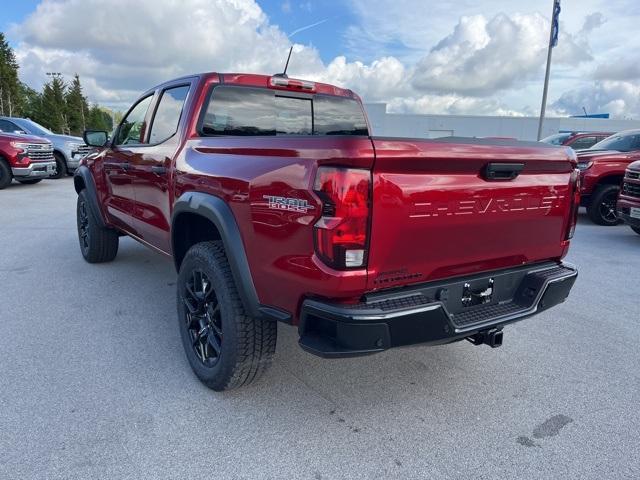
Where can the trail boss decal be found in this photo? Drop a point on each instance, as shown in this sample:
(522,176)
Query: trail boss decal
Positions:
(290,204)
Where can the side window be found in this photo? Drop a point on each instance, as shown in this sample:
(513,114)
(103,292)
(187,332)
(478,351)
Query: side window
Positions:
(167,117)
(9,127)
(584,142)
(133,126)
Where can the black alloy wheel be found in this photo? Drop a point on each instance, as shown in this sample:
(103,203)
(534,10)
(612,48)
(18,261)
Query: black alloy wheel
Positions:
(203,318)
(97,243)
(608,207)
(83,226)
(602,207)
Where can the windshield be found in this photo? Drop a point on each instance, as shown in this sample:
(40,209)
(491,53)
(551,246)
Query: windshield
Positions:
(556,139)
(621,142)
(33,127)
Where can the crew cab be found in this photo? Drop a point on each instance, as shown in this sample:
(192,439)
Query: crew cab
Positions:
(602,168)
(25,158)
(576,140)
(277,205)
(67,149)
(629,199)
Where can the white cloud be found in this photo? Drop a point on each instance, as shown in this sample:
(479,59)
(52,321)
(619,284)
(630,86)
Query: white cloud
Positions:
(126,46)
(121,48)
(450,104)
(483,56)
(619,98)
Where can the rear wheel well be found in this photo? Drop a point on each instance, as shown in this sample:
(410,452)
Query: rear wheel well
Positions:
(189,229)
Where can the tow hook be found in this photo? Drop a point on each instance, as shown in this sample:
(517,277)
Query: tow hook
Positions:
(493,338)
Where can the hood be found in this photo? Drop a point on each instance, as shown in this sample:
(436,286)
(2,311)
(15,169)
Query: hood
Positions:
(58,139)
(592,154)
(18,137)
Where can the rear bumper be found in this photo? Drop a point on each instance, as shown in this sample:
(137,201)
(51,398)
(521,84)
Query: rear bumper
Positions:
(35,170)
(432,313)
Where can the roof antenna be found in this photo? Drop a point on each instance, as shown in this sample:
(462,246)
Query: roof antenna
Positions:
(284,74)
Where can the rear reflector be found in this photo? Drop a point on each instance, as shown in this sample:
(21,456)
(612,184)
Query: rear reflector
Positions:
(341,234)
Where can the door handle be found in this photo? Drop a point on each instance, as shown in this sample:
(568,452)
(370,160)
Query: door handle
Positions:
(122,165)
(158,170)
(502,171)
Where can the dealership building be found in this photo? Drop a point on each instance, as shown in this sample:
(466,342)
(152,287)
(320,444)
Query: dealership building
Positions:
(522,128)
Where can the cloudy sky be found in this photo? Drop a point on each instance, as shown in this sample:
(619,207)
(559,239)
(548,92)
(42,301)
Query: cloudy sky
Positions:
(476,57)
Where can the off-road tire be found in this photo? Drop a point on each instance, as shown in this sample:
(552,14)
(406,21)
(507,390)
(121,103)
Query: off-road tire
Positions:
(5,174)
(61,166)
(247,344)
(601,203)
(100,244)
(636,229)
(29,181)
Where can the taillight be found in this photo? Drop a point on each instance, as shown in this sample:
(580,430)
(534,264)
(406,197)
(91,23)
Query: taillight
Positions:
(575,204)
(341,234)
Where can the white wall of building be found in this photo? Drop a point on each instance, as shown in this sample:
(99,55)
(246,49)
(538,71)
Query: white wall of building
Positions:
(522,128)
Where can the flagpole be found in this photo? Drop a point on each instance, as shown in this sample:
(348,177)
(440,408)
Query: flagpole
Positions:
(546,75)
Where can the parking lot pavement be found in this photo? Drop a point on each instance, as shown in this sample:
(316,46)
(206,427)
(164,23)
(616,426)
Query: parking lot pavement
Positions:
(94,382)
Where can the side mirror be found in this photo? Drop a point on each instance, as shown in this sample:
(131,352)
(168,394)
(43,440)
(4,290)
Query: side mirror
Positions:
(20,132)
(95,138)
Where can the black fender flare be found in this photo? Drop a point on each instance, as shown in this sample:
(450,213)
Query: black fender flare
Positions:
(218,212)
(83,179)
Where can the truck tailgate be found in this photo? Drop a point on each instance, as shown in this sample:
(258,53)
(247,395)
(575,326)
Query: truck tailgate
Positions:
(438,214)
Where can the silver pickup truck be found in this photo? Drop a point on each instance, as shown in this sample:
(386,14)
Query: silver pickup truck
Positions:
(67,150)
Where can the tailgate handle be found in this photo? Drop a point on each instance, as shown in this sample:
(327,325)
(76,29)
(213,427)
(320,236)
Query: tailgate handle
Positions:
(502,171)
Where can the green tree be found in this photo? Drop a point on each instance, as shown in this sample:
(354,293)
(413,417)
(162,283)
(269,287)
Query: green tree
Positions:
(99,119)
(77,107)
(54,107)
(32,106)
(10,100)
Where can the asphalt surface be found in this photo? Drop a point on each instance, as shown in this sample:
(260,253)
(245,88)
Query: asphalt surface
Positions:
(94,382)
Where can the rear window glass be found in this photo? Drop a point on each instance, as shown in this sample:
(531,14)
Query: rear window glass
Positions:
(260,111)
(338,116)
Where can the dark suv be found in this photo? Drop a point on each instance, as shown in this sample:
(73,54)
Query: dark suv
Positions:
(576,140)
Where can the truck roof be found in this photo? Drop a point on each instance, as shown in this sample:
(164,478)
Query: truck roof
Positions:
(260,80)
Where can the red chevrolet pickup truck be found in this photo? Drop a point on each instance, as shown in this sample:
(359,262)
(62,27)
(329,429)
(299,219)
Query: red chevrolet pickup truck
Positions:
(25,158)
(629,199)
(602,168)
(277,205)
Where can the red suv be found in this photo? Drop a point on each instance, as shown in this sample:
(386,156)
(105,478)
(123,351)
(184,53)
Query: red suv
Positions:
(576,140)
